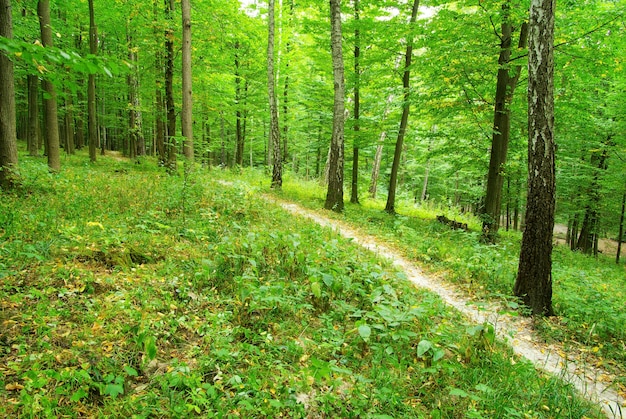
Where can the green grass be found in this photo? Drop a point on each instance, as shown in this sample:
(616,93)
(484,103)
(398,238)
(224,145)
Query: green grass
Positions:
(589,293)
(128,293)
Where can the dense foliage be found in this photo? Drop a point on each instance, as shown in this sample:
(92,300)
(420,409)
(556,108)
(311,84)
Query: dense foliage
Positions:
(187,295)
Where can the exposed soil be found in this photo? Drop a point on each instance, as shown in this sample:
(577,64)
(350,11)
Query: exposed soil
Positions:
(593,383)
(605,246)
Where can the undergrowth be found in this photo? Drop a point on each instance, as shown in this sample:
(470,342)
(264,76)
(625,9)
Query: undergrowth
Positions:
(588,292)
(117,300)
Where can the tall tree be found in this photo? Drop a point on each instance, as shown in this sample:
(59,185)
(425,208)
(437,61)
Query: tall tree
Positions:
(92,122)
(239,139)
(334,194)
(169,88)
(187,116)
(50,102)
(33,115)
(354,193)
(159,127)
(8,140)
(534,277)
(390,207)
(277,171)
(505,87)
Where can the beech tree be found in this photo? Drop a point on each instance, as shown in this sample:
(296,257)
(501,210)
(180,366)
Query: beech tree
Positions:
(50,101)
(187,116)
(534,278)
(8,140)
(390,207)
(92,123)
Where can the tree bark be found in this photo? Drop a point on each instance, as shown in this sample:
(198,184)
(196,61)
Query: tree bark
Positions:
(354,196)
(50,104)
(239,140)
(505,87)
(33,115)
(334,194)
(390,207)
(277,171)
(92,121)
(187,111)
(8,134)
(621,229)
(534,278)
(170,135)
(69,123)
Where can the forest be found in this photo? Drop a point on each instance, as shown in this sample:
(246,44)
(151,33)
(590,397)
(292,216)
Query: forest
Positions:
(149,151)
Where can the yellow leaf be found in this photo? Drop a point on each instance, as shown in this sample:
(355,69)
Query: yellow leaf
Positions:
(18,54)
(13,387)
(95,224)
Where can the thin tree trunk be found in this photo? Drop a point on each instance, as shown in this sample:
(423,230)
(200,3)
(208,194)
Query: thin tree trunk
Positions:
(50,103)
(187,111)
(621,229)
(33,115)
(159,107)
(92,123)
(239,140)
(390,207)
(534,277)
(277,171)
(8,139)
(171,143)
(354,197)
(505,87)
(69,123)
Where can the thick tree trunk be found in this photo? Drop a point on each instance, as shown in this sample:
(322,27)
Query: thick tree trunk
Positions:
(33,115)
(354,196)
(8,139)
(277,171)
(505,87)
(50,103)
(92,121)
(534,278)
(390,207)
(170,136)
(187,114)
(334,194)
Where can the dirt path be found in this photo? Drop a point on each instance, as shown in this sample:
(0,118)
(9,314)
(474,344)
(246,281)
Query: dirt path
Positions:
(592,383)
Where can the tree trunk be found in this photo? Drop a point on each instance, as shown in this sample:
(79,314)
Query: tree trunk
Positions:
(69,123)
(621,229)
(239,140)
(505,88)
(170,134)
(50,104)
(92,122)
(8,139)
(390,207)
(534,278)
(187,114)
(277,172)
(33,115)
(334,194)
(354,197)
(159,129)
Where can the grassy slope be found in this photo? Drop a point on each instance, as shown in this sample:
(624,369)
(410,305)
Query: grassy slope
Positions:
(589,293)
(126,292)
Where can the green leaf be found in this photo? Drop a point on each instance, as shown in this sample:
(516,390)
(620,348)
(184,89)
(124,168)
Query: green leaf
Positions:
(79,394)
(423,347)
(113,390)
(365,332)
(458,392)
(130,371)
(316,289)
(150,348)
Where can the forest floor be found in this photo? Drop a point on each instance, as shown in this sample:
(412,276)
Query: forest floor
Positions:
(606,246)
(594,383)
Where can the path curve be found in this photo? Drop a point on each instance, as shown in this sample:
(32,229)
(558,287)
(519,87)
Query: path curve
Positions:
(593,383)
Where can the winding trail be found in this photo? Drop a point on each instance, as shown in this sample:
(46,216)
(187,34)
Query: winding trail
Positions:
(593,383)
